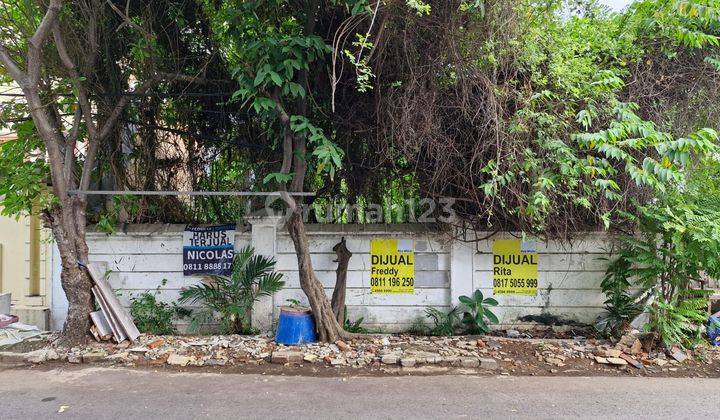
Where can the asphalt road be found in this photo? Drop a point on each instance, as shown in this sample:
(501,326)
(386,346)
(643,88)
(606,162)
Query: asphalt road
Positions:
(100,393)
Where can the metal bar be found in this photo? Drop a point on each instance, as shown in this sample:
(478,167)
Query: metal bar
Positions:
(193,193)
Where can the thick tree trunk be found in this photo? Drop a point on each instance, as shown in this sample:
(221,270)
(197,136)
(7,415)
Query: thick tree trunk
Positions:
(328,327)
(338,297)
(68,226)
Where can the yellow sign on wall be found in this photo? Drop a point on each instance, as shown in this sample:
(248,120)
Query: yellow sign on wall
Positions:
(392,266)
(514,267)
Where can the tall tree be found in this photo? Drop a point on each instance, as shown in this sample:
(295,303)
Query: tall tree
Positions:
(49,50)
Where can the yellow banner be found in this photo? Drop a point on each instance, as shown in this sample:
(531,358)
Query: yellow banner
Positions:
(392,266)
(514,267)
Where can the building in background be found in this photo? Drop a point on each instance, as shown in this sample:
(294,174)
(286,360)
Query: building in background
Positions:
(25,267)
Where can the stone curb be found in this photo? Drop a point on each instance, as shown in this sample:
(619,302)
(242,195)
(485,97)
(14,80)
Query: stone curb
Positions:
(12,357)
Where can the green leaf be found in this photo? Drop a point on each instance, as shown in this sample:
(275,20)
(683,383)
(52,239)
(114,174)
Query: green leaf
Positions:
(467,301)
(276,78)
(478,296)
(490,301)
(278,177)
(491,316)
(259,78)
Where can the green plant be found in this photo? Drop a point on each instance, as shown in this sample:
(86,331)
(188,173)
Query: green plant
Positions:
(675,251)
(620,305)
(680,321)
(129,205)
(229,300)
(418,327)
(353,327)
(475,312)
(293,303)
(444,323)
(155,317)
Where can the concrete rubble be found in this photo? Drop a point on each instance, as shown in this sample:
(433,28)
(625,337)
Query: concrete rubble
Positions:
(487,353)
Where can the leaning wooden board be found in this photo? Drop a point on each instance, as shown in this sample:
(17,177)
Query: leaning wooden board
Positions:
(117,331)
(115,313)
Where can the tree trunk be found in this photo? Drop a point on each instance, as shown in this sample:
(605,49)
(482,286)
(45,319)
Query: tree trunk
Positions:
(328,327)
(338,297)
(74,278)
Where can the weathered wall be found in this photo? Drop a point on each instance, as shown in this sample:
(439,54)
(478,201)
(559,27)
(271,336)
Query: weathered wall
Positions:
(569,276)
(384,311)
(568,286)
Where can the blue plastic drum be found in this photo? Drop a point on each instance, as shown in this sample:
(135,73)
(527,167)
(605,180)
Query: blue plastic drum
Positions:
(713,329)
(295,326)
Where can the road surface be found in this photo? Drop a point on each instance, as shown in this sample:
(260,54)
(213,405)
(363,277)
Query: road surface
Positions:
(105,393)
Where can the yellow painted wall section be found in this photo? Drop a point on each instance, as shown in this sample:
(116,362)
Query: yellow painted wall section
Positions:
(15,267)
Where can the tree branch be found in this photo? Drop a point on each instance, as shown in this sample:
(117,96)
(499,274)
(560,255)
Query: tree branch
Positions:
(299,142)
(287,151)
(12,67)
(83,99)
(38,39)
(48,129)
(70,142)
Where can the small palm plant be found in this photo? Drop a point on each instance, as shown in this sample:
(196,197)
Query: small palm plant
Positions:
(475,311)
(229,300)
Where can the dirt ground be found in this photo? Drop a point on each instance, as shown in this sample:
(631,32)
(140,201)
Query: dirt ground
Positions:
(522,362)
(512,357)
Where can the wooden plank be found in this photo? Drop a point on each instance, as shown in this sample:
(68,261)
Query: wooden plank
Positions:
(117,331)
(101,323)
(115,309)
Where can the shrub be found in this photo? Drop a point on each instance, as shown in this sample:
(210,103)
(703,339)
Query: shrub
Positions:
(681,321)
(353,327)
(444,323)
(475,313)
(676,249)
(620,305)
(229,300)
(418,327)
(154,317)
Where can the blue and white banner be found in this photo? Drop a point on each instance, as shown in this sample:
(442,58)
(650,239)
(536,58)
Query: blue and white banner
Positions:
(208,249)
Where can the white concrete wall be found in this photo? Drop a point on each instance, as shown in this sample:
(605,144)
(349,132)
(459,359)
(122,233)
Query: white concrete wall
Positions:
(380,311)
(141,258)
(568,286)
(569,276)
